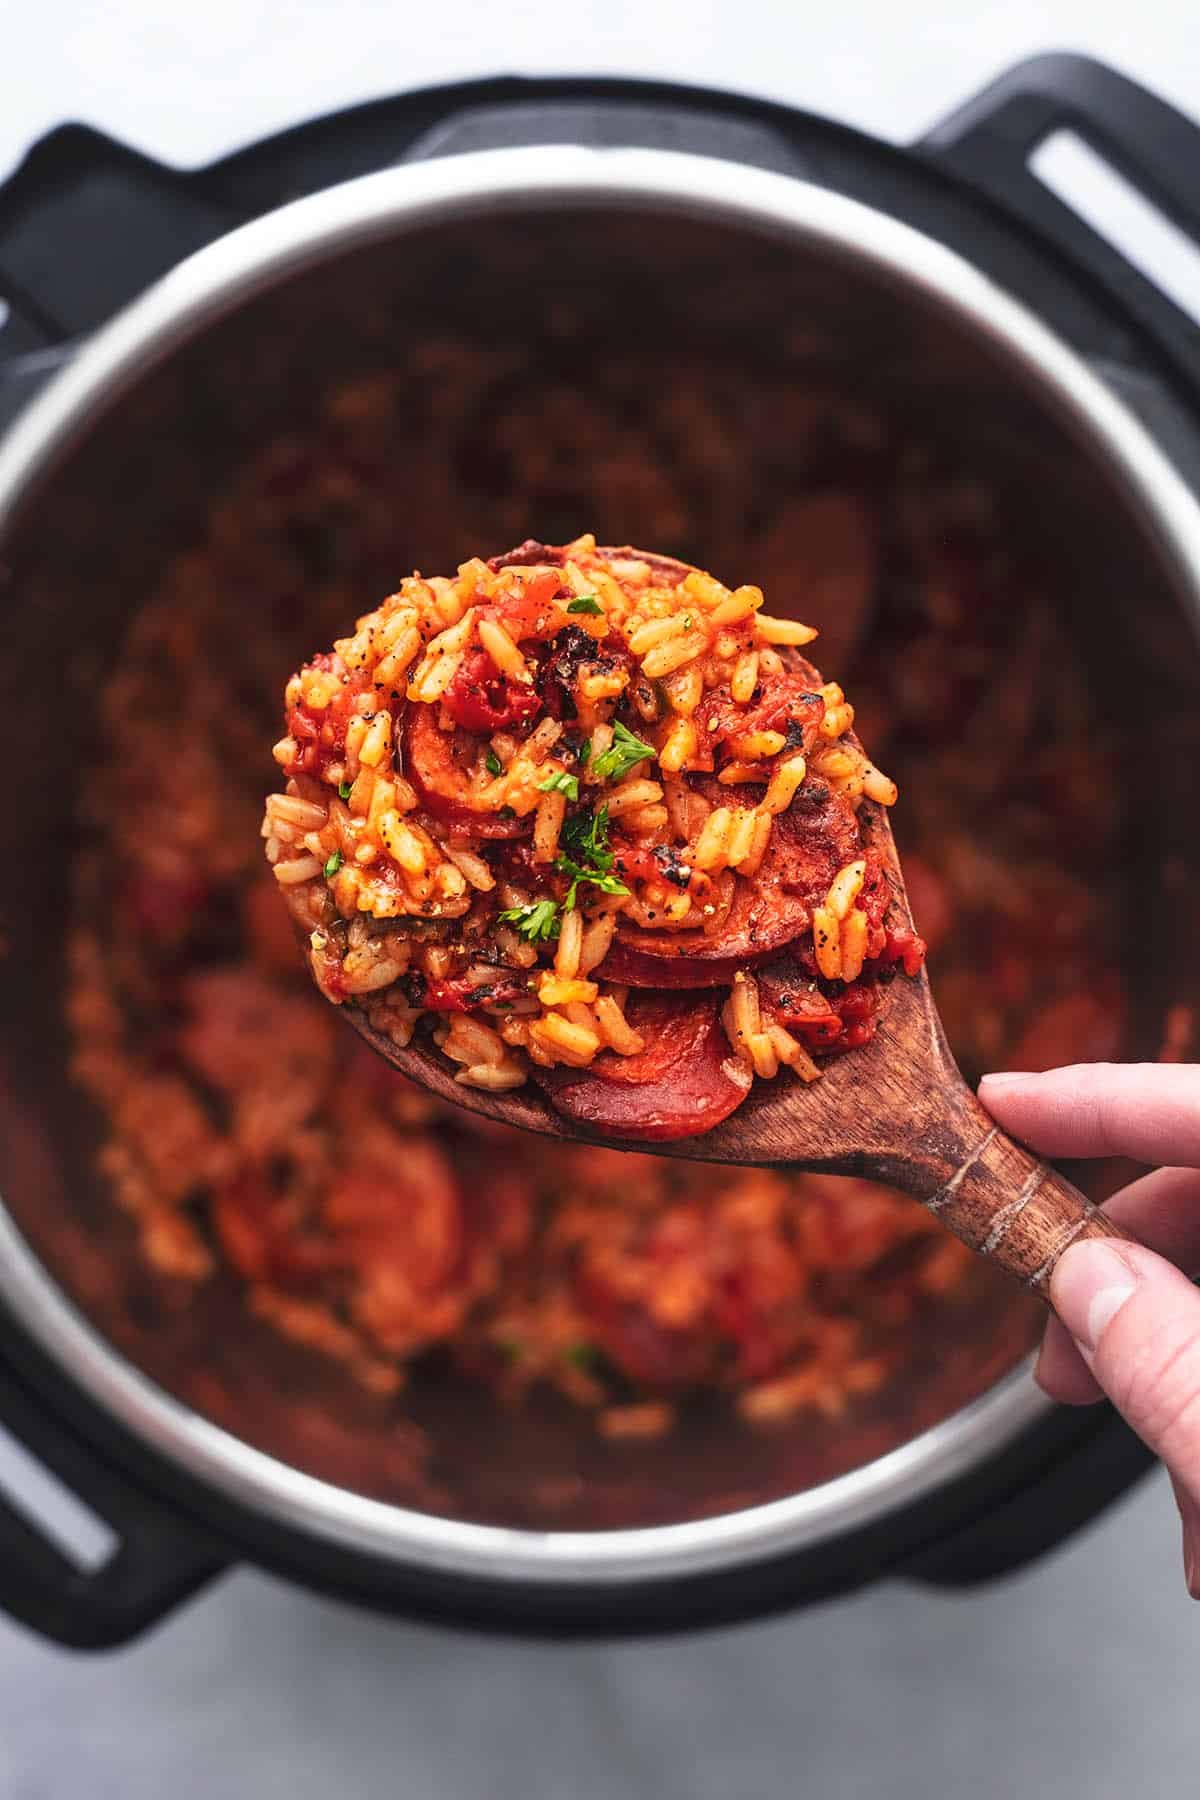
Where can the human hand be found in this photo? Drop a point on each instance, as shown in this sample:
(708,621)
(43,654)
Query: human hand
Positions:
(1128,1319)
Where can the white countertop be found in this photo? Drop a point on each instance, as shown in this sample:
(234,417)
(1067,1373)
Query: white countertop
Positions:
(1076,1678)
(187,83)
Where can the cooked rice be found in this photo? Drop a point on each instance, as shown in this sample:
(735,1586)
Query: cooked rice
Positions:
(245,1135)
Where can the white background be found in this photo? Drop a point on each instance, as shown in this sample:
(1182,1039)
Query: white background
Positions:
(189,81)
(1078,1678)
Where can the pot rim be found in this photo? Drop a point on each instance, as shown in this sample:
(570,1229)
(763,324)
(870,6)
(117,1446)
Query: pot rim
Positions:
(209,284)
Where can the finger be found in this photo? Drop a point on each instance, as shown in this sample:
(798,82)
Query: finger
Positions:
(1061,1370)
(1136,1319)
(1189,1515)
(1149,1111)
(1161,1209)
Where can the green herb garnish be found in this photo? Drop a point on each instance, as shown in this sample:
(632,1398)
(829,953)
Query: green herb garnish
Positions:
(538,922)
(583,1355)
(583,754)
(333,865)
(562,783)
(585,603)
(608,884)
(492,763)
(624,753)
(585,837)
(344,790)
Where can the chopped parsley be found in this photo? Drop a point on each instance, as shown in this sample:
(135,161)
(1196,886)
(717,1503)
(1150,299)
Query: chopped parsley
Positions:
(624,753)
(344,790)
(585,603)
(333,865)
(561,783)
(492,763)
(582,1354)
(538,922)
(687,621)
(600,878)
(585,838)
(584,752)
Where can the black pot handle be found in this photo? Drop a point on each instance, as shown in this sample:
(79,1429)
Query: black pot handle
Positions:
(1049,1504)
(159,1558)
(988,143)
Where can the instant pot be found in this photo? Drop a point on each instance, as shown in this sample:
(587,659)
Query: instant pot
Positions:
(160,323)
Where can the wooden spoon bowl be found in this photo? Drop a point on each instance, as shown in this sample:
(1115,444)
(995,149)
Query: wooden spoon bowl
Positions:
(897,1111)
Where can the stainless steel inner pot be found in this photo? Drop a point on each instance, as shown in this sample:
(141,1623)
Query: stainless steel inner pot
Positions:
(112,471)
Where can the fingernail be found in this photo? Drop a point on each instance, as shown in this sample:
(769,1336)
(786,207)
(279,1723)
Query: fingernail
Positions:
(1089,1287)
(1007,1078)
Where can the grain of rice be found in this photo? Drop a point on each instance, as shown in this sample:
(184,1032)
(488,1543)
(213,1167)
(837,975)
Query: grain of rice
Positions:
(679,746)
(470,1041)
(304,813)
(403,844)
(712,846)
(563,1041)
(877,787)
(752,860)
(672,655)
(558,990)
(763,1056)
(789,1050)
(740,604)
(551,810)
(615,1029)
(684,689)
(473,867)
(741,837)
(433,676)
(631,794)
(503,652)
(827,943)
(845,888)
(751,746)
(596,942)
(493,1078)
(837,721)
(397,662)
(783,785)
(300,868)
(568,954)
(853,944)
(782,631)
(744,679)
(658,631)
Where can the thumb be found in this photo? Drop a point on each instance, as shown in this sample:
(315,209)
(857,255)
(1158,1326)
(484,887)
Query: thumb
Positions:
(1136,1319)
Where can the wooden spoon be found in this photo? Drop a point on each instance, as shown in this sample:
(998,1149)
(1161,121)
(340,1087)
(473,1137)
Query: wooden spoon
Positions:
(896,1111)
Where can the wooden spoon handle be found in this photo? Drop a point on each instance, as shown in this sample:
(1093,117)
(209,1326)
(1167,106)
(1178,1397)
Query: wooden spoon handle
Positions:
(1004,1202)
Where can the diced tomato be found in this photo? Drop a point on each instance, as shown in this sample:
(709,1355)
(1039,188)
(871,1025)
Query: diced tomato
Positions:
(465,994)
(789,704)
(529,609)
(320,733)
(481,699)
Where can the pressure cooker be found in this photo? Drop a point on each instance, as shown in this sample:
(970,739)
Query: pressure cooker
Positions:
(156,323)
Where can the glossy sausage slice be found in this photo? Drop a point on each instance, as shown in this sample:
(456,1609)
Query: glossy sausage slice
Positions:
(809,844)
(686,1080)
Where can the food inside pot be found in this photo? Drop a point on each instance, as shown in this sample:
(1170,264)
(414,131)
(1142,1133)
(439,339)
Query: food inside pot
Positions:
(590,814)
(246,1131)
